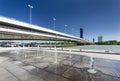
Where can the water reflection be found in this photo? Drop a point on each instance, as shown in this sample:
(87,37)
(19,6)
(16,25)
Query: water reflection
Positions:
(90,78)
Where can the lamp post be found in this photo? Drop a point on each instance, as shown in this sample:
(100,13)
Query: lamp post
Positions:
(56,59)
(30,12)
(72,31)
(65,28)
(54,19)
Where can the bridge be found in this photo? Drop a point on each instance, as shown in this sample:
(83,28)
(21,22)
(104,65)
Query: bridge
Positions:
(17,30)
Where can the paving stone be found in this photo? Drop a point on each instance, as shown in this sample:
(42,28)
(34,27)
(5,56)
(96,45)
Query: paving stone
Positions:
(35,79)
(58,69)
(29,67)
(75,74)
(5,75)
(68,62)
(82,65)
(42,65)
(52,77)
(11,78)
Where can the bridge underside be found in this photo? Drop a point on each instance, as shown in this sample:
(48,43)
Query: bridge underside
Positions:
(17,30)
(17,36)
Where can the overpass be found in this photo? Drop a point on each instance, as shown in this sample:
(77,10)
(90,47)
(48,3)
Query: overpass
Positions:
(11,29)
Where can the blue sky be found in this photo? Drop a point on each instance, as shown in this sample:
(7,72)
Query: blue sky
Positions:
(96,17)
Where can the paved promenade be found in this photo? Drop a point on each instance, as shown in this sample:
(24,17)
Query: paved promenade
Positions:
(38,65)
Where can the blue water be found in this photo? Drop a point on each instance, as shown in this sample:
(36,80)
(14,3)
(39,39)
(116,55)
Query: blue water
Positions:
(115,48)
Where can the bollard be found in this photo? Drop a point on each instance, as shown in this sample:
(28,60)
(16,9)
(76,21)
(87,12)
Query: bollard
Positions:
(106,51)
(80,49)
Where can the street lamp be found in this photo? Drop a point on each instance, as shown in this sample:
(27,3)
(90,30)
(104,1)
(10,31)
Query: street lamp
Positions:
(56,59)
(54,19)
(65,28)
(72,31)
(30,12)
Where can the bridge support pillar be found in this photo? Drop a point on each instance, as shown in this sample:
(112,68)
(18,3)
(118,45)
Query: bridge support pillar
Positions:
(92,70)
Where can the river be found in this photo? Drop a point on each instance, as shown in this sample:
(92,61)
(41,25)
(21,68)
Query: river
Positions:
(114,48)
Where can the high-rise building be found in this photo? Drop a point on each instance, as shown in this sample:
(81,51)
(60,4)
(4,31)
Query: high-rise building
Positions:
(81,32)
(100,38)
(93,40)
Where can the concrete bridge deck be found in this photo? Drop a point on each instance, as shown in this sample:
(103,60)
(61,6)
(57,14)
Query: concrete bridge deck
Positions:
(17,30)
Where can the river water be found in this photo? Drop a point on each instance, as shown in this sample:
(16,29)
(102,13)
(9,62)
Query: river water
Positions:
(114,48)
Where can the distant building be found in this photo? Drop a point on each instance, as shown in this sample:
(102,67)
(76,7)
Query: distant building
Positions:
(81,32)
(100,38)
(93,40)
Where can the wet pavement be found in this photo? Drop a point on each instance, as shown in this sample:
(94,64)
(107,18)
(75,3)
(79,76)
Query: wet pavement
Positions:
(38,65)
